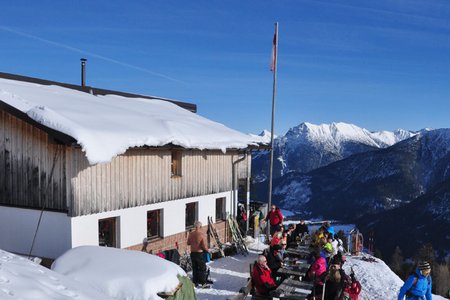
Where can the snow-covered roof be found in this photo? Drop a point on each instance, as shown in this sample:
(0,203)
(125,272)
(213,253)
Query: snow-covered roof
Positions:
(107,125)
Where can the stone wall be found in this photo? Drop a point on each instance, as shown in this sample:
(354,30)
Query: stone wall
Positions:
(180,239)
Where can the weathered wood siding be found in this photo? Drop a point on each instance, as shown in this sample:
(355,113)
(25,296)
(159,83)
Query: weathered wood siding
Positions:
(138,177)
(143,176)
(26,162)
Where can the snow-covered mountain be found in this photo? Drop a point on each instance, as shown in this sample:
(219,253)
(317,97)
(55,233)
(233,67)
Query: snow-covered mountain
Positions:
(368,182)
(307,147)
(428,215)
(413,171)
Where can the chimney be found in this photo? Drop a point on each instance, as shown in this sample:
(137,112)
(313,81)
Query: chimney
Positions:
(83,71)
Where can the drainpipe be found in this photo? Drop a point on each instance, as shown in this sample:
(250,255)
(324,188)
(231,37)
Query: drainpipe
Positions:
(234,185)
(248,192)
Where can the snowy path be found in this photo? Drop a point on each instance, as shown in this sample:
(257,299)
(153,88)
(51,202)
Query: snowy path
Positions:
(231,273)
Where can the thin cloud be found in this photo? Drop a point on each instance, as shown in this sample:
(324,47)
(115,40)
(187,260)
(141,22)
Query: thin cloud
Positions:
(70,48)
(420,19)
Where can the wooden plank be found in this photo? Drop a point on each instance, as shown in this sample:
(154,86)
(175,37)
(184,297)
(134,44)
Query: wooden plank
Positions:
(2,156)
(8,161)
(141,177)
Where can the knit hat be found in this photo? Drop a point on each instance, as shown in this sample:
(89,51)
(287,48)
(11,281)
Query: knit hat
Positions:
(424,266)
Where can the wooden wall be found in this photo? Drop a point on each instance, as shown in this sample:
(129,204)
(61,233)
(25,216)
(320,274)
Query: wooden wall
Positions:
(26,162)
(138,177)
(143,176)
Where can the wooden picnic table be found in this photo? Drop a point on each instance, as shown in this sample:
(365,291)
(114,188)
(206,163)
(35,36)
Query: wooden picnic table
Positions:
(293,270)
(295,261)
(298,252)
(292,289)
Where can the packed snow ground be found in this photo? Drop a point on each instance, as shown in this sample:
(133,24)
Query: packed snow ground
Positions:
(231,273)
(21,278)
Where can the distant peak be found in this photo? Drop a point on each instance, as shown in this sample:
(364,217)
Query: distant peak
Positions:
(338,132)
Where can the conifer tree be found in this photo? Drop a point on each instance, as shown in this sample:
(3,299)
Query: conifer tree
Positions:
(426,253)
(396,261)
(441,279)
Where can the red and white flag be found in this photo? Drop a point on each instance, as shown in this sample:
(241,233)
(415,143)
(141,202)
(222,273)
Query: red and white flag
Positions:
(273,61)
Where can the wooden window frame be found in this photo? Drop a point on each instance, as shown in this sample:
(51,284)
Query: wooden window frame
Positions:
(220,209)
(158,218)
(114,223)
(175,163)
(191,217)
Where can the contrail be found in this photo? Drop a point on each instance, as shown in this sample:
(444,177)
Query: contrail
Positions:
(90,54)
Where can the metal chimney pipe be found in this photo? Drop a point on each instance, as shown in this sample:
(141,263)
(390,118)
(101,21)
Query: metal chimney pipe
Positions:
(83,71)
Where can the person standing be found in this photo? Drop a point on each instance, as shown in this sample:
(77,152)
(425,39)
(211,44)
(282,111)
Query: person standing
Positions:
(197,241)
(242,219)
(418,285)
(275,219)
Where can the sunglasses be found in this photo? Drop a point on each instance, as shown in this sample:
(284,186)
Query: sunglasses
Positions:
(425,272)
(335,267)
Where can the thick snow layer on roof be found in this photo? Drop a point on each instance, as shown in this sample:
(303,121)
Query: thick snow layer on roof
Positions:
(21,278)
(121,274)
(106,126)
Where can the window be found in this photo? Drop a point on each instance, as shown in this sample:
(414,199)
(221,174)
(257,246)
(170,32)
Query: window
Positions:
(154,224)
(220,209)
(107,232)
(191,214)
(176,163)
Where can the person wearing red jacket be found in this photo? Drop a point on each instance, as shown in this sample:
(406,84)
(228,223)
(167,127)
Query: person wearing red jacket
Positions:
(262,277)
(275,218)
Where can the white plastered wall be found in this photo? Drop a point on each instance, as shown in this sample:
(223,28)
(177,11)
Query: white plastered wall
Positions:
(132,222)
(18,225)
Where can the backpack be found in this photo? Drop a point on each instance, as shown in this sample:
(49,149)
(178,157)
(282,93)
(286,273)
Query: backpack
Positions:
(416,279)
(244,215)
(352,288)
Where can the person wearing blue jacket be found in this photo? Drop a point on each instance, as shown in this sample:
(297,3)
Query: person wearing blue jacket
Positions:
(418,284)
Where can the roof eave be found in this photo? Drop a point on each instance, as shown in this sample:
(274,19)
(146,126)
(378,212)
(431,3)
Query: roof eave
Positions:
(57,136)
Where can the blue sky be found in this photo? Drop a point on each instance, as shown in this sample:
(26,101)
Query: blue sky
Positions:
(381,65)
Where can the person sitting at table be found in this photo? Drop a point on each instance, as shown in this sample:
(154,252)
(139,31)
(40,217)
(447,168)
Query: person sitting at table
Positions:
(283,253)
(290,236)
(262,277)
(317,237)
(325,226)
(274,258)
(277,236)
(327,246)
(317,272)
(301,229)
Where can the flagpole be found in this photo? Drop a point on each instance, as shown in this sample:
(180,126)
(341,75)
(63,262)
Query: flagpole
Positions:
(272,127)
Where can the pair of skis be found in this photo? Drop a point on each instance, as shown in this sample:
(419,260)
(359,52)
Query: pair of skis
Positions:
(213,232)
(237,237)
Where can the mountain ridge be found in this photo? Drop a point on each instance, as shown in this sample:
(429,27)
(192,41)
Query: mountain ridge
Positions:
(307,146)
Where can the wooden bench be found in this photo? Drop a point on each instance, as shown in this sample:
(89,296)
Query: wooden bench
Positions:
(292,289)
(247,289)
